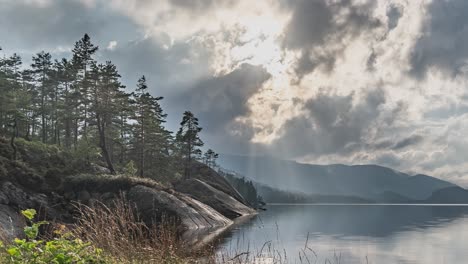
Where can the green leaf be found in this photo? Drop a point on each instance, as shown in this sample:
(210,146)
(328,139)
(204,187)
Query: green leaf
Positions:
(13,251)
(29,213)
(31,231)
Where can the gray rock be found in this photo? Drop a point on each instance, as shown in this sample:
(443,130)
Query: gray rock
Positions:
(70,195)
(211,177)
(11,223)
(4,199)
(98,169)
(16,196)
(154,204)
(107,196)
(84,196)
(220,201)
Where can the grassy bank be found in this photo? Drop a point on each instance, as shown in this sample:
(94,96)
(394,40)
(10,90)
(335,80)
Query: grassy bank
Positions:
(114,234)
(101,234)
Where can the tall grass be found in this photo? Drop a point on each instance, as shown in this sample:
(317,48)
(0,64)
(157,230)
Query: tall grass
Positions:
(125,238)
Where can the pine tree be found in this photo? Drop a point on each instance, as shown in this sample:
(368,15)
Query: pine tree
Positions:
(65,105)
(152,140)
(82,61)
(105,91)
(210,157)
(188,140)
(41,66)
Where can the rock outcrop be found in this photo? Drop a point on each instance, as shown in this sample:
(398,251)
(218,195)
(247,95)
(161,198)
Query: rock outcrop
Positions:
(11,223)
(211,177)
(34,182)
(218,200)
(152,205)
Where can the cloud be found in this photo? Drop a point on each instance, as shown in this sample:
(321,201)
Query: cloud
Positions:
(406,142)
(332,123)
(296,78)
(49,25)
(112,44)
(168,69)
(321,29)
(394,13)
(219,100)
(443,42)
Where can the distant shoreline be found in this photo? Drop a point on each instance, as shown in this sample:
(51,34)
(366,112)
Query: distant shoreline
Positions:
(369,204)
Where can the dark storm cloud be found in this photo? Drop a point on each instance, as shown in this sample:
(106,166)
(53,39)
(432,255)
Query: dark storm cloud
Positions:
(394,14)
(168,70)
(196,6)
(218,100)
(398,144)
(443,44)
(406,142)
(318,29)
(333,124)
(32,27)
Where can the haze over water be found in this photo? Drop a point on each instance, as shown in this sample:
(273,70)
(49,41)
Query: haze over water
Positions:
(381,234)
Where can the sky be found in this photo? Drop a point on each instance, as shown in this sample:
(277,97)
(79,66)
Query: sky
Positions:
(316,81)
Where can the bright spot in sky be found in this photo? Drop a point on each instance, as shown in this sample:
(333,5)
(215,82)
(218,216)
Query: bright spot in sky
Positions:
(260,46)
(112,44)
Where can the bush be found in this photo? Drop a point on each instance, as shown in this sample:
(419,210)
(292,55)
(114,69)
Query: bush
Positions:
(65,249)
(54,178)
(24,175)
(105,183)
(3,168)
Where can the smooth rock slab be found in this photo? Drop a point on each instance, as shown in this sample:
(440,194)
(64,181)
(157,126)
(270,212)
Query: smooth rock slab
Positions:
(153,205)
(218,200)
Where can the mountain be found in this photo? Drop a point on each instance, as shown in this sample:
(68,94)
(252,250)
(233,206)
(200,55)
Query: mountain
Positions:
(371,182)
(455,195)
(273,195)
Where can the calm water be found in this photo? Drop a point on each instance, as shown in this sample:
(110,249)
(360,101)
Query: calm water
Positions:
(376,234)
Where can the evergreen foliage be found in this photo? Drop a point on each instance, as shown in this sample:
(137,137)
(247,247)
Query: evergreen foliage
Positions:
(80,106)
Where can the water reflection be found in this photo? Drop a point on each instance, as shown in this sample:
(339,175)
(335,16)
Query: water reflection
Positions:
(352,233)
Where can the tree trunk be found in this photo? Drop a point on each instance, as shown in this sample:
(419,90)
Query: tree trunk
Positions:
(142,155)
(12,140)
(103,144)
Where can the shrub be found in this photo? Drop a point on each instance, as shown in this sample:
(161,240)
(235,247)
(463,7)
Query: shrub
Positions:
(3,168)
(53,178)
(24,175)
(105,183)
(64,249)
(130,168)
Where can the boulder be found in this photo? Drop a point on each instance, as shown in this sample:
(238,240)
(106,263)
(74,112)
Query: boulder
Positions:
(218,200)
(84,196)
(98,169)
(15,196)
(11,223)
(153,205)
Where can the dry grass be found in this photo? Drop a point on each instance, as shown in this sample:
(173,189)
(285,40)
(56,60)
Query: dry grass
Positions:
(118,231)
(126,239)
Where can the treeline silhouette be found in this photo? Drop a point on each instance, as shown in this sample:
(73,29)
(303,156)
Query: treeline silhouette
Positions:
(246,188)
(81,105)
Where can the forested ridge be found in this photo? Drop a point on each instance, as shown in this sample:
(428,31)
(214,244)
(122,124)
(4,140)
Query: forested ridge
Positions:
(80,105)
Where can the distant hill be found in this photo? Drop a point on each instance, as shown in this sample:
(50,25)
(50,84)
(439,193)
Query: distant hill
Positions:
(371,182)
(273,195)
(455,195)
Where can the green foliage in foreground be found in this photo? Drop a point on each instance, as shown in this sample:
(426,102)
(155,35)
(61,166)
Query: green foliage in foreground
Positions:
(63,249)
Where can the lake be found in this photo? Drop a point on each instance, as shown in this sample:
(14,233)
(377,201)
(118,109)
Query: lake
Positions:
(379,234)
